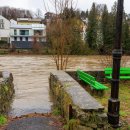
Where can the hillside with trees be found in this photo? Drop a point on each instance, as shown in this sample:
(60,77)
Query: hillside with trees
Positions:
(100,33)
(14,13)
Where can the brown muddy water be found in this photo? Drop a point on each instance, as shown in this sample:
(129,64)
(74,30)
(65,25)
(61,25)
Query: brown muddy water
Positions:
(31,79)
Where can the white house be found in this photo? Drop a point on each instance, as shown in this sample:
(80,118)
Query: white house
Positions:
(4,29)
(22,35)
(12,22)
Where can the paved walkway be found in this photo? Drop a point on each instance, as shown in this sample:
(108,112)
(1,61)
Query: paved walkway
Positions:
(35,123)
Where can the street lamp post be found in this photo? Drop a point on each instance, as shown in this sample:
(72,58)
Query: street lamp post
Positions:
(113,102)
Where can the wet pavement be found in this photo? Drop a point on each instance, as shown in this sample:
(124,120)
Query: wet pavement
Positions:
(34,123)
(31,79)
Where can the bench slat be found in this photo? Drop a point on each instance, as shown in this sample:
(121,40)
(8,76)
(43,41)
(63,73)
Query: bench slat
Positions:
(90,80)
(121,77)
(124,73)
(101,86)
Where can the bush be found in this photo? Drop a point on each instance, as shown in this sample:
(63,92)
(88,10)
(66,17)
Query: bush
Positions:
(4,44)
(56,112)
(3,120)
(3,52)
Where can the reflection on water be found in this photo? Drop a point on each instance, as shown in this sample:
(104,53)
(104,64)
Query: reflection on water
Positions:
(31,79)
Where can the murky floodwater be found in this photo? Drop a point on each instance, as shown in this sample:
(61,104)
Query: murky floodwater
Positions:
(31,79)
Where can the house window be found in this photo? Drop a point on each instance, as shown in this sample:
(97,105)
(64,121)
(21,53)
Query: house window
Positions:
(21,39)
(26,38)
(24,32)
(15,32)
(15,38)
(38,32)
(1,24)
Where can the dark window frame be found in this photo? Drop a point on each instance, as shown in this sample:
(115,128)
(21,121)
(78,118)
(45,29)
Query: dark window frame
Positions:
(15,32)
(26,38)
(1,24)
(15,38)
(21,38)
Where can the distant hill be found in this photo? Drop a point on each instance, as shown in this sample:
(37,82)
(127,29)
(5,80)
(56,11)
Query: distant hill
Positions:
(14,13)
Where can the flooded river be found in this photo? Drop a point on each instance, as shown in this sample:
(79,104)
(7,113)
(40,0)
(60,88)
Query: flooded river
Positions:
(31,79)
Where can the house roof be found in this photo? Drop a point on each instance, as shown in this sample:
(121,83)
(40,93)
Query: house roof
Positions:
(20,26)
(28,20)
(32,26)
(1,17)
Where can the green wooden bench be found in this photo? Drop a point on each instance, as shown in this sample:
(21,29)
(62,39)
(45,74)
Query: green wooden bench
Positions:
(124,73)
(90,80)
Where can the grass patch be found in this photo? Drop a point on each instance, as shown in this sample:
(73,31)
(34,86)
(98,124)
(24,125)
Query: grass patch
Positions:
(3,120)
(124,95)
(3,51)
(56,112)
(123,113)
(71,125)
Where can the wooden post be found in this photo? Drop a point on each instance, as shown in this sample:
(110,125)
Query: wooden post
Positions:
(70,112)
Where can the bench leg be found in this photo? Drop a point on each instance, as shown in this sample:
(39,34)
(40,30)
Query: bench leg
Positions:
(101,93)
(97,92)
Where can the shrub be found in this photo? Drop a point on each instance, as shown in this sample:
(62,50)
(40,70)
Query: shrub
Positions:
(3,120)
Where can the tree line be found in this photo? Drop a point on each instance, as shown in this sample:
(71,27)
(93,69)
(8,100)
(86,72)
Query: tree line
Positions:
(100,33)
(14,13)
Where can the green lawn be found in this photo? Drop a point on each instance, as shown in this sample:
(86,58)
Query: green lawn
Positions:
(124,100)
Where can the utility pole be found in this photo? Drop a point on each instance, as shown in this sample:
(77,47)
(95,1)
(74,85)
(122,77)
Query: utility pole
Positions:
(113,102)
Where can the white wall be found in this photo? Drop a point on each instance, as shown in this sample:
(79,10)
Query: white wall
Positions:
(13,22)
(6,31)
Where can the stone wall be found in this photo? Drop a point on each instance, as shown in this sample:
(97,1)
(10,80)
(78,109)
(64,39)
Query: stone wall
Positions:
(79,108)
(6,91)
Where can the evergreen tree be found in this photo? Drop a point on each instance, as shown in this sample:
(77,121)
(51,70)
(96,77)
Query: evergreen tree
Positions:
(83,15)
(104,24)
(108,27)
(92,27)
(99,38)
(87,13)
(107,30)
(126,36)
(112,26)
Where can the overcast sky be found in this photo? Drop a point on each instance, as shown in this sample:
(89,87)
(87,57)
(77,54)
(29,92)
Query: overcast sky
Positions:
(82,4)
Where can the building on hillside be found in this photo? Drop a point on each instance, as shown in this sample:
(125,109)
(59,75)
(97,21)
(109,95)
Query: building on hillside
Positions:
(25,34)
(128,16)
(4,29)
(12,21)
(49,17)
(84,28)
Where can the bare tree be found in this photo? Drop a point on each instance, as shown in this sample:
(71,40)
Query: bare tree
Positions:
(106,61)
(62,27)
(38,14)
(14,13)
(36,45)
